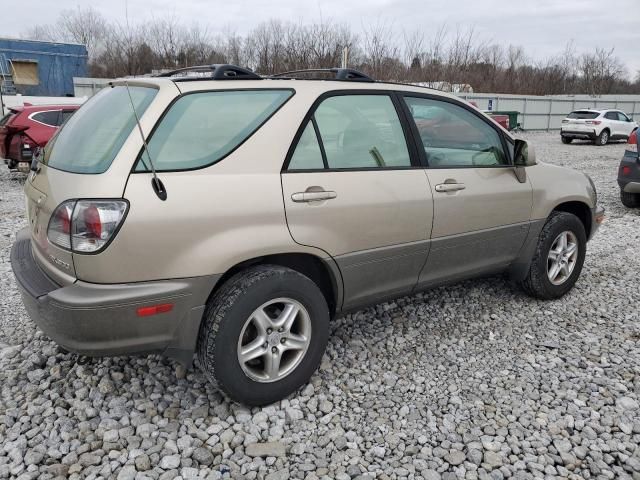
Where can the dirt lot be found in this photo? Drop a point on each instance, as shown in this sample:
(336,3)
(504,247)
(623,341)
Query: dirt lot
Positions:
(474,380)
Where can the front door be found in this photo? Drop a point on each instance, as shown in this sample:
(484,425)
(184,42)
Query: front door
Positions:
(352,188)
(481,209)
(626,125)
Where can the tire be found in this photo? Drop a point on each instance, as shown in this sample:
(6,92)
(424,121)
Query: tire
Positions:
(567,140)
(603,138)
(229,319)
(537,282)
(630,200)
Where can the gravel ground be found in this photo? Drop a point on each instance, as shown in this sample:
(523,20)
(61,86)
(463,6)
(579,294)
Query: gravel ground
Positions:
(474,380)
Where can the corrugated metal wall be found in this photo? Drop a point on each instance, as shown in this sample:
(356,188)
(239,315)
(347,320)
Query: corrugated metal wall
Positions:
(546,113)
(535,112)
(57,63)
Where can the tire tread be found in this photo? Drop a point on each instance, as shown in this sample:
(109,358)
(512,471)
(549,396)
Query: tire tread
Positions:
(534,284)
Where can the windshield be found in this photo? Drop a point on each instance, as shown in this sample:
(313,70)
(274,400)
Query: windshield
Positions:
(583,115)
(91,138)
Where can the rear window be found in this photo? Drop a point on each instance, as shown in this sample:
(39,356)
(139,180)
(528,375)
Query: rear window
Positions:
(583,115)
(202,128)
(91,138)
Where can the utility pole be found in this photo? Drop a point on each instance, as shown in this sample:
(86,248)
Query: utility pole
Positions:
(345,57)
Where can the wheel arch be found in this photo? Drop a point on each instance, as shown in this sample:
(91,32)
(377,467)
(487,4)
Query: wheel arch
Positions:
(323,272)
(520,267)
(580,210)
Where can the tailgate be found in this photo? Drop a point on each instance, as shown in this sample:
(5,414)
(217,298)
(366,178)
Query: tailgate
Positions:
(55,261)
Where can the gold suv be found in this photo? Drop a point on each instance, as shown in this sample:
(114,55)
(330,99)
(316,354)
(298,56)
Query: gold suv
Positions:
(216,212)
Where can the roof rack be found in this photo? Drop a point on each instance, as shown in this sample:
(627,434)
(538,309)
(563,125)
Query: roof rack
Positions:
(343,74)
(218,72)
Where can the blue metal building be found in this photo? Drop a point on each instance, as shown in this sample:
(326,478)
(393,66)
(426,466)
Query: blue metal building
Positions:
(38,68)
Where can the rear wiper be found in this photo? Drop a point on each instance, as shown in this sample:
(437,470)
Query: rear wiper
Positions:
(156,183)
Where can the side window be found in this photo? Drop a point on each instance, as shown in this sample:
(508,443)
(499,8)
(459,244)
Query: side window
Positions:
(361,131)
(622,117)
(307,155)
(202,128)
(453,137)
(611,116)
(50,118)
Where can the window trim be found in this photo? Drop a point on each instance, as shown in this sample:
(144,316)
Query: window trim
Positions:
(194,92)
(33,114)
(310,115)
(418,142)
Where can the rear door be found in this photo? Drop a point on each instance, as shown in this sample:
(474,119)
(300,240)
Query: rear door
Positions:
(43,125)
(354,188)
(481,210)
(613,124)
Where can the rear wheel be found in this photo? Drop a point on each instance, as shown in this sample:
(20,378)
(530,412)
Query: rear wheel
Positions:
(567,140)
(603,138)
(558,259)
(263,334)
(630,200)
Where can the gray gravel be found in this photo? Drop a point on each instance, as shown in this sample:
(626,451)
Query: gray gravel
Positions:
(474,380)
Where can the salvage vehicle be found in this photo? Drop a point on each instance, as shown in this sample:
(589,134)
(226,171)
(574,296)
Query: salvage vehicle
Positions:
(629,174)
(25,129)
(217,212)
(599,126)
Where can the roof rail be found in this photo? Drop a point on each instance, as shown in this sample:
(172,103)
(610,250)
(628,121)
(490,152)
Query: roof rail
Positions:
(344,74)
(218,72)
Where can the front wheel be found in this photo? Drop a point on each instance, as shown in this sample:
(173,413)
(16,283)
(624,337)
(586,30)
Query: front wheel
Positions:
(630,200)
(567,140)
(558,258)
(263,334)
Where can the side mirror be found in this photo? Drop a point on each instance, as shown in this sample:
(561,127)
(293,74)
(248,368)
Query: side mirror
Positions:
(524,154)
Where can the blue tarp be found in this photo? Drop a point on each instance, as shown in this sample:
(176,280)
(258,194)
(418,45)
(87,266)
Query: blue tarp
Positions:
(57,63)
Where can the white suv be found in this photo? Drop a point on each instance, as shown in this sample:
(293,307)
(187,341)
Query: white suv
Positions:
(599,126)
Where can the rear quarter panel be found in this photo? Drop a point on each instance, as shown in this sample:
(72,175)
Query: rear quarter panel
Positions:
(212,219)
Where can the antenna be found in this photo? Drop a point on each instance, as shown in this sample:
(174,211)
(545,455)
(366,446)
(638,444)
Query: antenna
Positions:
(156,184)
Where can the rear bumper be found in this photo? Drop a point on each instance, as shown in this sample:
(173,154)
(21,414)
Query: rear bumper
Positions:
(591,134)
(630,182)
(102,320)
(630,187)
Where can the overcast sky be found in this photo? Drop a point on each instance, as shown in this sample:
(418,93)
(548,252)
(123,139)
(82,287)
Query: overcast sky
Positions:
(542,27)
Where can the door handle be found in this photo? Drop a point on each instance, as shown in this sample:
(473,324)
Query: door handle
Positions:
(450,187)
(313,196)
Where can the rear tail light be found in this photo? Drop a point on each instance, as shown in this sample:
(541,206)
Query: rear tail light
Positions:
(632,143)
(59,231)
(625,170)
(565,121)
(593,122)
(86,226)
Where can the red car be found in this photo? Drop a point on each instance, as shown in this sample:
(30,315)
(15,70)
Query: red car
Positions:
(26,128)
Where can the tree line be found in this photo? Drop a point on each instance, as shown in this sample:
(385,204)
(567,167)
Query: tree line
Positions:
(456,56)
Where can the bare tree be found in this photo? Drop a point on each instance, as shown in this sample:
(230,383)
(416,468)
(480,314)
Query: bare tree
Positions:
(83,25)
(136,48)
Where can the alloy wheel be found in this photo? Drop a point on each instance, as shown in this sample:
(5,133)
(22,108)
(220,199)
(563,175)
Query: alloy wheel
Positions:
(562,257)
(274,340)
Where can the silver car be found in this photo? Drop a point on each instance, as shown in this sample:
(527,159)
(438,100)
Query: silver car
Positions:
(217,212)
